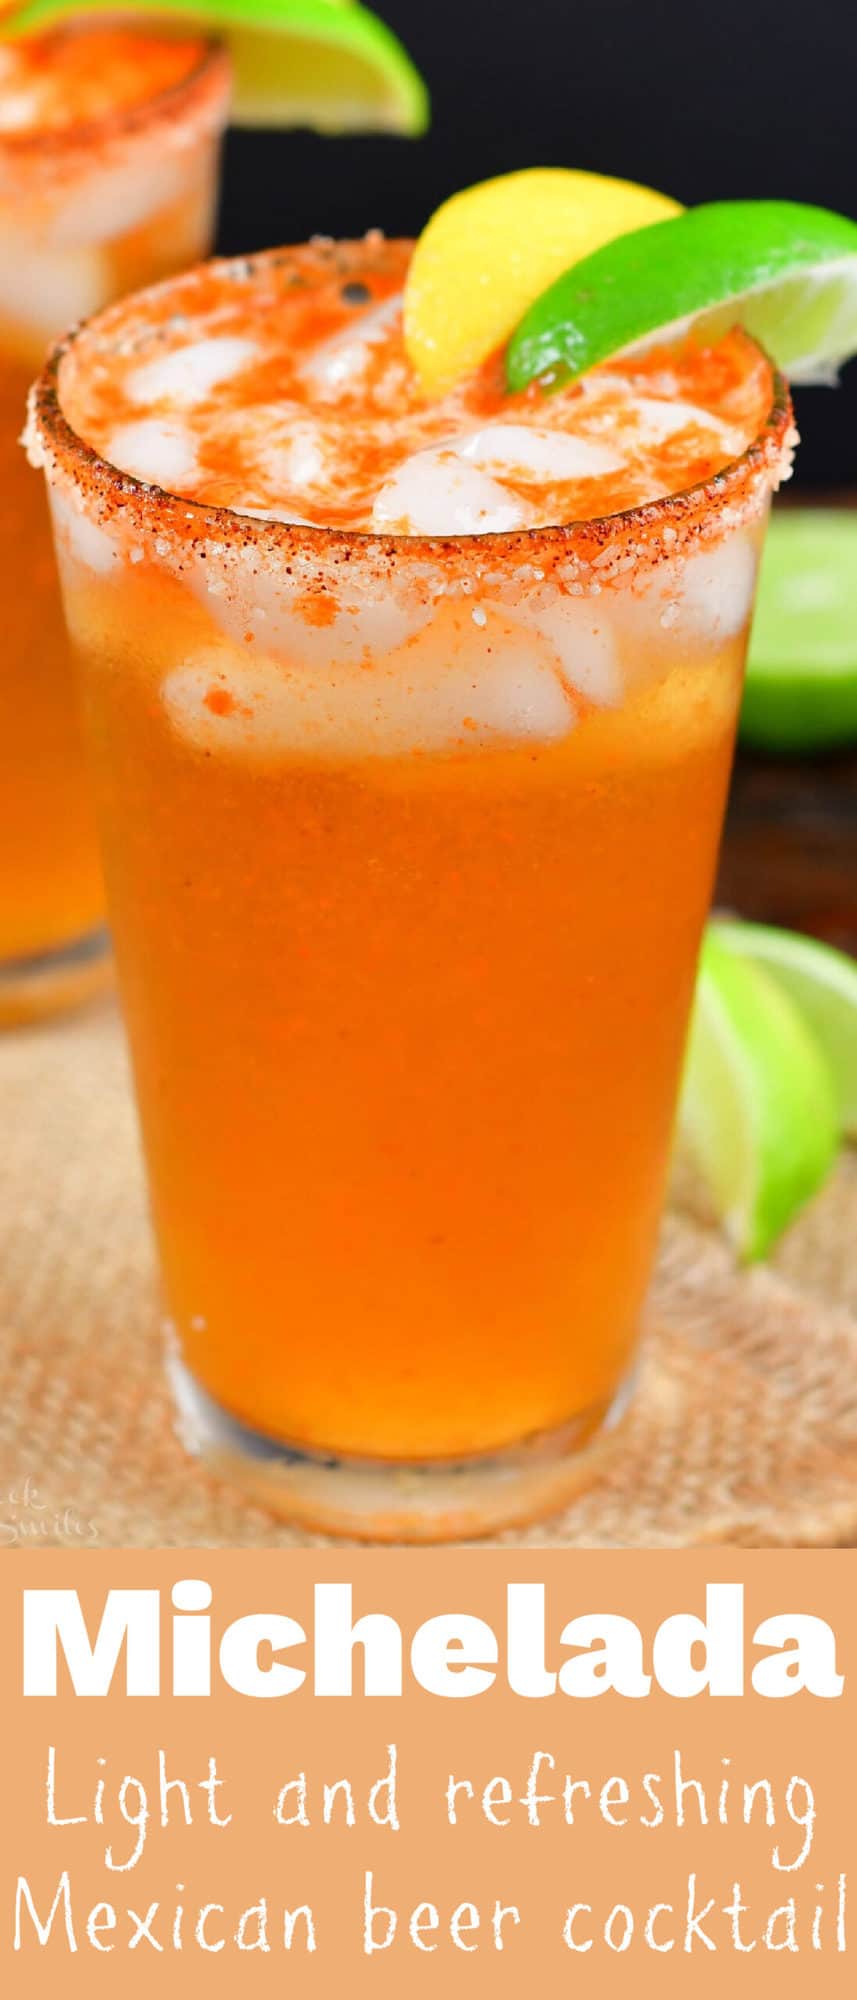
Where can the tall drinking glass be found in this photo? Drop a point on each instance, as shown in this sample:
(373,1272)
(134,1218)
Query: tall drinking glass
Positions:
(104,185)
(407,942)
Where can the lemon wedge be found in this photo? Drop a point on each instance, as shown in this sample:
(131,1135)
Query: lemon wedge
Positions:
(488,253)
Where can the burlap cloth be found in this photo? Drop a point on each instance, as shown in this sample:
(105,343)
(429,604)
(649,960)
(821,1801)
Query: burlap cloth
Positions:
(744,1430)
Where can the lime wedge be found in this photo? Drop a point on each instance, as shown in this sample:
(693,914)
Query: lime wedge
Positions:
(758,1107)
(801,691)
(323,63)
(821,982)
(786,272)
(489,251)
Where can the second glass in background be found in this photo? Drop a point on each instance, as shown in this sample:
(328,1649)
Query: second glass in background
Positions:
(109,196)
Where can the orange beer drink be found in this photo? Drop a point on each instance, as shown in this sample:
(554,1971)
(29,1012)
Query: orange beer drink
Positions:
(410,804)
(108,178)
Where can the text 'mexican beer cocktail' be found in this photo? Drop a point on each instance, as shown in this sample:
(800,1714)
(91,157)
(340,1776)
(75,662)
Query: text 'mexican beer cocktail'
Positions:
(108,178)
(412,722)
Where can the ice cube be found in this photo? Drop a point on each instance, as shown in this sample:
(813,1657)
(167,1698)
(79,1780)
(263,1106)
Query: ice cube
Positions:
(434,492)
(581,633)
(341,361)
(263,612)
(280,448)
(47,291)
(303,460)
(532,453)
(104,203)
(155,450)
(223,704)
(189,374)
(260,710)
(717,586)
(602,387)
(20,107)
(659,420)
(280,611)
(517,696)
(88,544)
(703,598)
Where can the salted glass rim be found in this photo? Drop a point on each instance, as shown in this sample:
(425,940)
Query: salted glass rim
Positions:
(663,524)
(59,144)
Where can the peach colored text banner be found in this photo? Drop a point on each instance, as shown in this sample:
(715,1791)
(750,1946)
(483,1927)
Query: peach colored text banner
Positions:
(481,1810)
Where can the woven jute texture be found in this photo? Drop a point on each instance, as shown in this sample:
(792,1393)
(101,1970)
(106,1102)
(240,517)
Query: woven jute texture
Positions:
(744,1430)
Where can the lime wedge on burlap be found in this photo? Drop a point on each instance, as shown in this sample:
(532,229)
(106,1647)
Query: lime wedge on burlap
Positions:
(786,272)
(758,1112)
(822,984)
(801,691)
(491,249)
(323,63)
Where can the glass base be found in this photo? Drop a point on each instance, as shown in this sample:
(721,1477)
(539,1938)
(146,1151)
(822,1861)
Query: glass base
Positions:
(383,1500)
(32,989)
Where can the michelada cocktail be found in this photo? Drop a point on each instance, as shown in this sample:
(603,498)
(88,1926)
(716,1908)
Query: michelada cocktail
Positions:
(108,178)
(412,719)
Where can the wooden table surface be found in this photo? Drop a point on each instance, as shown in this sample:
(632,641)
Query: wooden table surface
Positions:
(790,850)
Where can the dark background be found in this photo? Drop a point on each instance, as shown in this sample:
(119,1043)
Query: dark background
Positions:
(702,98)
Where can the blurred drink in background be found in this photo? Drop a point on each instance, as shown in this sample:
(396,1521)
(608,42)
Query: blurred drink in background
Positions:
(109,145)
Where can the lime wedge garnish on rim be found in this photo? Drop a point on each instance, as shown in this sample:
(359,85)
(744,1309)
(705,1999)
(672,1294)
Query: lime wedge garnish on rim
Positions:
(801,689)
(758,1107)
(786,272)
(323,63)
(821,982)
(491,249)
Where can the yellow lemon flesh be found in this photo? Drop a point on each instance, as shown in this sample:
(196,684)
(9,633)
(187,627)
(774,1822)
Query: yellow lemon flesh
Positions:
(488,252)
